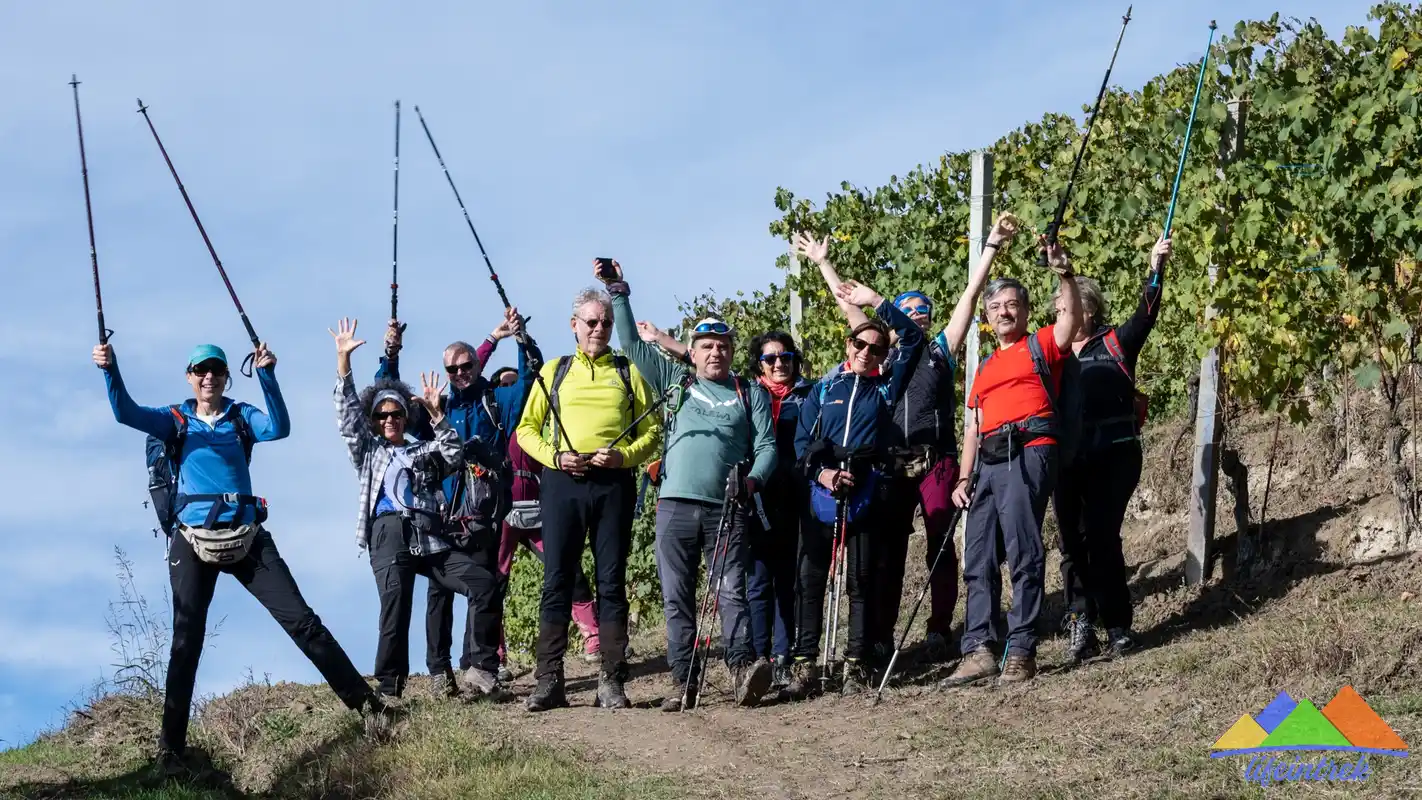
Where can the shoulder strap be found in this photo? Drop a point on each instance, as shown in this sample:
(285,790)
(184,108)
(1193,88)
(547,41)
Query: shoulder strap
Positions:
(624,371)
(1039,366)
(244,432)
(1113,346)
(560,371)
(746,406)
(491,407)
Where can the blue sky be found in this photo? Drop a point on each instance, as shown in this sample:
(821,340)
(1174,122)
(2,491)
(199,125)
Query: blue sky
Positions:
(652,132)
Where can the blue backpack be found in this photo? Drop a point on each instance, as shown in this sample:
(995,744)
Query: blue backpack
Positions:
(165,460)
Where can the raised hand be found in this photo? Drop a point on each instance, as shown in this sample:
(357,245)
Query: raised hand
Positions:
(394,337)
(509,326)
(346,341)
(815,250)
(1160,253)
(103,356)
(263,358)
(857,294)
(648,332)
(431,387)
(616,268)
(1056,255)
(1004,229)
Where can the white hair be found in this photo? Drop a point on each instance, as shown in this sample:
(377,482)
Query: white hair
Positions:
(592,295)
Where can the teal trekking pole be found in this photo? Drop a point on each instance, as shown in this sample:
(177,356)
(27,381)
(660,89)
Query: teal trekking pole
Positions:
(1185,151)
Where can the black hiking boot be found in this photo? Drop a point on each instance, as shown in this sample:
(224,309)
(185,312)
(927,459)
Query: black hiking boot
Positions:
(676,691)
(377,718)
(1081,639)
(804,680)
(752,681)
(444,684)
(611,693)
(856,678)
(975,666)
(1120,641)
(780,677)
(548,694)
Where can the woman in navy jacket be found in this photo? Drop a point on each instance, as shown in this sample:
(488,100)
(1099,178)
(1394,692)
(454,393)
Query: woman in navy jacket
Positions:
(845,431)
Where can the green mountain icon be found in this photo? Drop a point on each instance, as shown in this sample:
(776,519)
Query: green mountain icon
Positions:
(1305,726)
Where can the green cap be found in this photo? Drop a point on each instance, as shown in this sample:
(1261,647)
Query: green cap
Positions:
(206,352)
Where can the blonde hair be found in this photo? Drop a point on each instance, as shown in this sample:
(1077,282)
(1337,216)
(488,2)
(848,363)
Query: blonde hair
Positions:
(1093,302)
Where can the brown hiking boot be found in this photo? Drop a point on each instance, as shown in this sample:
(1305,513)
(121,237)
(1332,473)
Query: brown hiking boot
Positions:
(1019,669)
(975,666)
(804,680)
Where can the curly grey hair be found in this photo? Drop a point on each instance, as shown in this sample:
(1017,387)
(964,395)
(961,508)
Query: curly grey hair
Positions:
(417,413)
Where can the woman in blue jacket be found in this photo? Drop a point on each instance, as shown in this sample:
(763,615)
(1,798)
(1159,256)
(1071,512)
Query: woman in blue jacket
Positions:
(842,443)
(219,529)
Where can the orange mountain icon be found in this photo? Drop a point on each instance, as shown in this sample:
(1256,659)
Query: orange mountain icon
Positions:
(1353,718)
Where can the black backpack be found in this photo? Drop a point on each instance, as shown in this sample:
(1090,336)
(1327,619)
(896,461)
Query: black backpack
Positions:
(165,460)
(483,494)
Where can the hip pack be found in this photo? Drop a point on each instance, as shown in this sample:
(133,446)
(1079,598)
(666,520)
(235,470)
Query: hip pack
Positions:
(221,547)
(824,505)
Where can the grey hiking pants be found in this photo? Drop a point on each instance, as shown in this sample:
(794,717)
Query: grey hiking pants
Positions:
(686,532)
(1011,498)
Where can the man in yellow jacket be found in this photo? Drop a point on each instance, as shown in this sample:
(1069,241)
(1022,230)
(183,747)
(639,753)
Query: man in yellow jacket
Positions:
(588,492)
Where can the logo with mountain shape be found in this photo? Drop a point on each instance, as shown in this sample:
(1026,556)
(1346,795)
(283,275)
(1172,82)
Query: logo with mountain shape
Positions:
(1346,725)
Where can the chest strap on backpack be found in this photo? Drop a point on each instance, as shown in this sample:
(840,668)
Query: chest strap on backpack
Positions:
(222,502)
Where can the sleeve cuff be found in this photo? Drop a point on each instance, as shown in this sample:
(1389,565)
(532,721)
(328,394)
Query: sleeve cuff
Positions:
(619,289)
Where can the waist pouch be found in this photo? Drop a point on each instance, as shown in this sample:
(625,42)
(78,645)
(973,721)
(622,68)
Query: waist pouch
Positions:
(1006,443)
(220,547)
(824,505)
(525,514)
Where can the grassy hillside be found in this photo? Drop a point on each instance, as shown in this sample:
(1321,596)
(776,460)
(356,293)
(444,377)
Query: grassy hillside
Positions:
(1335,600)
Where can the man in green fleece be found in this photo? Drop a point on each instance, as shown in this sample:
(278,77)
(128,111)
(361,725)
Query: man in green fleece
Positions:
(714,422)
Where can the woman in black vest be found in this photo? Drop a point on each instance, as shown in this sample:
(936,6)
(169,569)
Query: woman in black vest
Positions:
(1092,493)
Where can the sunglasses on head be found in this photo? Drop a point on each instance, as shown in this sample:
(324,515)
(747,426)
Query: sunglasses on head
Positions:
(718,328)
(787,356)
(463,366)
(876,350)
(381,416)
(597,322)
(208,367)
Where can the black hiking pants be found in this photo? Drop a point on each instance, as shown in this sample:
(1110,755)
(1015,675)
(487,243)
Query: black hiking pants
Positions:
(1090,502)
(596,509)
(265,575)
(395,568)
(814,577)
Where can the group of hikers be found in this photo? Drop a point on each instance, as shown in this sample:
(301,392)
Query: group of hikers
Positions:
(795,491)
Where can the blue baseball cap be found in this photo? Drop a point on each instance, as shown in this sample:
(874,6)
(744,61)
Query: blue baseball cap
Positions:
(206,352)
(920,295)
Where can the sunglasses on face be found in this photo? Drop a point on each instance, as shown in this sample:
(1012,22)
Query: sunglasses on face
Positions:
(208,369)
(718,328)
(381,416)
(463,366)
(876,350)
(596,322)
(786,357)
(924,310)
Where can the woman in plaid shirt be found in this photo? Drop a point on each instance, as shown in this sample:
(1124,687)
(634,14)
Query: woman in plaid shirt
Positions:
(400,521)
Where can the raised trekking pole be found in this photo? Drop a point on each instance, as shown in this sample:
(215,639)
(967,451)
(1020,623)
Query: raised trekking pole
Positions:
(104,332)
(711,601)
(252,334)
(928,581)
(1056,223)
(1185,150)
(494,276)
(395,235)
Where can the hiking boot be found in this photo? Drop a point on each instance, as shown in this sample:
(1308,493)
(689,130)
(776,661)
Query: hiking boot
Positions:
(936,649)
(675,691)
(506,675)
(548,694)
(377,719)
(445,684)
(856,678)
(1120,641)
(752,681)
(1082,643)
(804,679)
(975,666)
(481,684)
(610,692)
(780,677)
(169,765)
(1020,668)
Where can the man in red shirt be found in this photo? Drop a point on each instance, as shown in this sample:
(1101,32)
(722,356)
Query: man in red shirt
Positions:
(1013,431)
